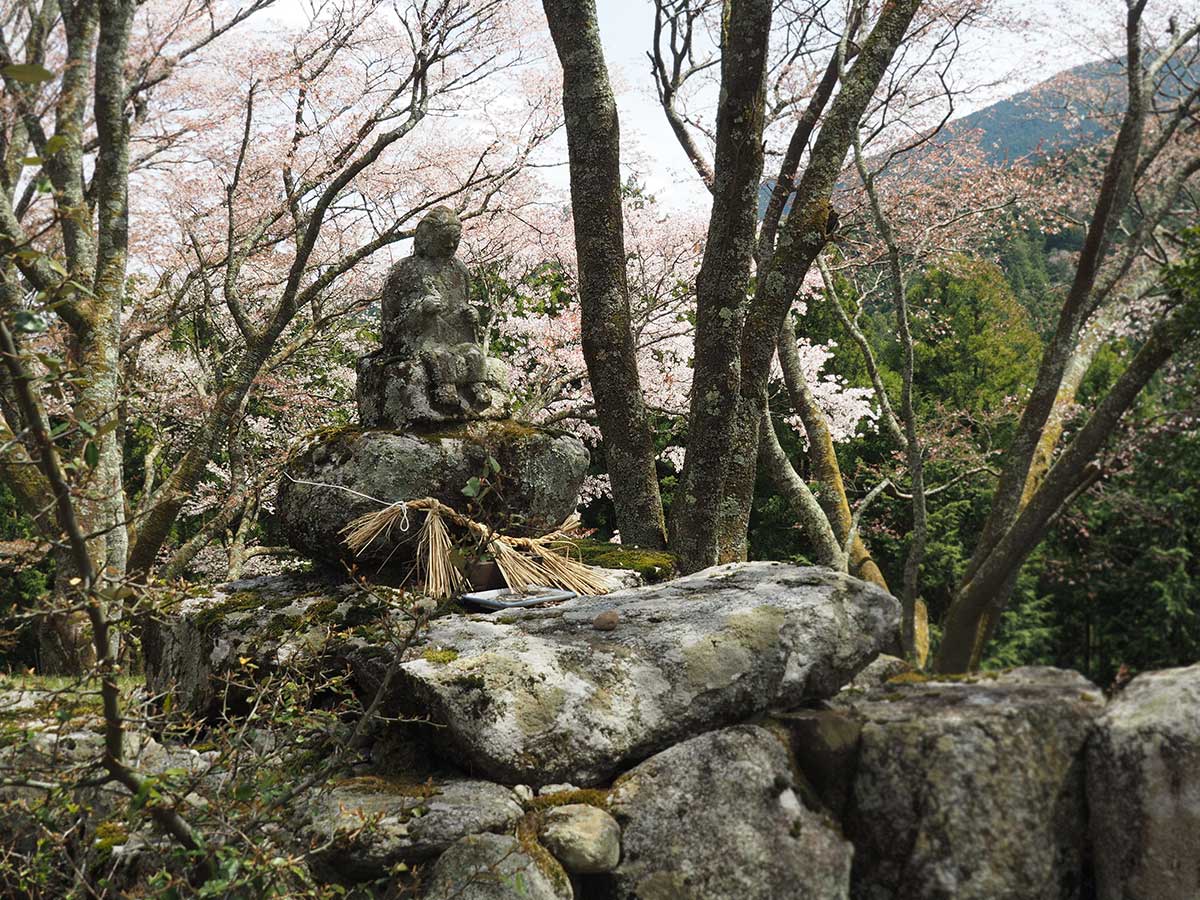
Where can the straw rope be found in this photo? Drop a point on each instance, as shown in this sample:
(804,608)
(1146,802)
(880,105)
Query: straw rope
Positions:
(523,562)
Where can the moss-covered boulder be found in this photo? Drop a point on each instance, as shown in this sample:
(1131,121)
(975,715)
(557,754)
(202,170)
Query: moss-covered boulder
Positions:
(524,480)
(207,653)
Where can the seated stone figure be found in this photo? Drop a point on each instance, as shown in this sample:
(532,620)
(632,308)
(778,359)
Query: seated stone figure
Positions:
(431,367)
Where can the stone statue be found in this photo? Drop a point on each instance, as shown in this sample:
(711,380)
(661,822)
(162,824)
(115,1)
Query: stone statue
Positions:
(428,400)
(432,367)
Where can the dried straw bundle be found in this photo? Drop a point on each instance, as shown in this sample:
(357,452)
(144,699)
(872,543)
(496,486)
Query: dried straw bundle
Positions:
(378,525)
(558,567)
(563,570)
(435,563)
(523,562)
(520,572)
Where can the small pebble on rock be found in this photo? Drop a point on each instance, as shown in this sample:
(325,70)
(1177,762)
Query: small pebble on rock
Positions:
(607,620)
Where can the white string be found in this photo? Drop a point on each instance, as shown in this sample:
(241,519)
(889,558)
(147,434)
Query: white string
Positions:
(400,503)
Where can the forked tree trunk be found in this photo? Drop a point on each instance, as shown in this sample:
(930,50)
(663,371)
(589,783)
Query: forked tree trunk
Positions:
(801,239)
(965,632)
(1024,504)
(721,285)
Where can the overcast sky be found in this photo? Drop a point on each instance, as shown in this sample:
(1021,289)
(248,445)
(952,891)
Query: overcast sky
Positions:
(1063,34)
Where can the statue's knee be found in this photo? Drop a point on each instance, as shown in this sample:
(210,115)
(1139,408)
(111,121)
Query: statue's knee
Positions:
(475,364)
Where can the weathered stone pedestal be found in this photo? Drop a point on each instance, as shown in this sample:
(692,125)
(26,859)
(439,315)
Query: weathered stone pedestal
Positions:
(533,492)
(434,416)
(395,393)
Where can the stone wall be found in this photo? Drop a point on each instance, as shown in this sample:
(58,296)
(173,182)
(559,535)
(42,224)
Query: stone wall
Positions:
(731,734)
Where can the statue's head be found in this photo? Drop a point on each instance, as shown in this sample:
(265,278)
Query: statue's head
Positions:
(438,233)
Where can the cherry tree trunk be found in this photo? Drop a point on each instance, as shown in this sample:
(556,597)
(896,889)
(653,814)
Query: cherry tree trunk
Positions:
(801,239)
(721,288)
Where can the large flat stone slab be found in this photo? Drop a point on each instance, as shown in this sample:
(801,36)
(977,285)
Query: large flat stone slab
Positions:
(543,696)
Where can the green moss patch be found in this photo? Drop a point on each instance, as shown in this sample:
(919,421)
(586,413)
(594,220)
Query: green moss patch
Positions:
(926,678)
(242,601)
(652,565)
(110,835)
(398,785)
(585,796)
(439,657)
(492,431)
(527,835)
(340,611)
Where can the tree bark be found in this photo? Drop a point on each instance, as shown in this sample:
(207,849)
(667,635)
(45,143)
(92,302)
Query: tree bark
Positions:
(721,285)
(813,519)
(804,235)
(822,458)
(111,185)
(742,471)
(594,150)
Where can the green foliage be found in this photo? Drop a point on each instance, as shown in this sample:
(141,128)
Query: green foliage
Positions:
(1029,629)
(653,565)
(975,344)
(1122,568)
(1118,579)
(22,586)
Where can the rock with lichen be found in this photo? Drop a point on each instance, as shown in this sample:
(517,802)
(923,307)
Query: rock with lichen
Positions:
(533,473)
(719,816)
(539,695)
(972,788)
(206,653)
(496,867)
(1144,789)
(365,826)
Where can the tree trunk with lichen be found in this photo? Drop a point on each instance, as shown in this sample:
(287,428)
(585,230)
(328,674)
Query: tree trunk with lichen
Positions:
(722,284)
(800,240)
(593,145)
(94,222)
(822,458)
